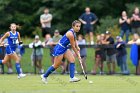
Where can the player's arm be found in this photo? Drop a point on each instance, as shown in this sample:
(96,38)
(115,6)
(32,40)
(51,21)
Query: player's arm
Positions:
(5,36)
(19,39)
(138,42)
(73,44)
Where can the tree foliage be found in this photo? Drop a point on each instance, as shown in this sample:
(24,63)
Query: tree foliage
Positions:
(26,13)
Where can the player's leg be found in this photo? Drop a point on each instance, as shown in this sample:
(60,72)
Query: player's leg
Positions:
(63,66)
(15,57)
(9,66)
(6,59)
(57,63)
(69,56)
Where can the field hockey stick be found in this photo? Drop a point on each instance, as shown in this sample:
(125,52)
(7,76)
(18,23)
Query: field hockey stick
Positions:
(83,69)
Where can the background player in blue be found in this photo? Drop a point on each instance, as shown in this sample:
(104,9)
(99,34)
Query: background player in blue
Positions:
(61,50)
(12,36)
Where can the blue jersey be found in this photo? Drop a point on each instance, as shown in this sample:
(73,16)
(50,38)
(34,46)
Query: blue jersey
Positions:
(12,38)
(64,41)
(12,43)
(63,44)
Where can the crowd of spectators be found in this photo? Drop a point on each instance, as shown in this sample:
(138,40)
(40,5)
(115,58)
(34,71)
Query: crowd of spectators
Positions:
(112,57)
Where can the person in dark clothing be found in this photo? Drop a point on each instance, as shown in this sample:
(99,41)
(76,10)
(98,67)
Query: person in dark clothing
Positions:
(124,22)
(121,55)
(99,57)
(135,21)
(88,20)
(110,53)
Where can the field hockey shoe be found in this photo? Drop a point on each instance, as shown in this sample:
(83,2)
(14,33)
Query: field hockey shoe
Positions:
(44,80)
(21,76)
(74,79)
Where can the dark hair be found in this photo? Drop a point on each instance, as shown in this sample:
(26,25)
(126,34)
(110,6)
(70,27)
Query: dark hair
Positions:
(75,22)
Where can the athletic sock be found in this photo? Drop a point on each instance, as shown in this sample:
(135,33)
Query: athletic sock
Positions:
(18,67)
(0,61)
(49,71)
(72,69)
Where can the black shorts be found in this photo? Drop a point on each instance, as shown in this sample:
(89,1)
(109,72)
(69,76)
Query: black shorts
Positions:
(101,54)
(45,31)
(87,30)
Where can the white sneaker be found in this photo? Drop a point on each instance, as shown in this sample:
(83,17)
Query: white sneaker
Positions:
(21,76)
(44,80)
(74,79)
(10,70)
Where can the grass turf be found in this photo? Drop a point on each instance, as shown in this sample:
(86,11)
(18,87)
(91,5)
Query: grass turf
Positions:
(60,84)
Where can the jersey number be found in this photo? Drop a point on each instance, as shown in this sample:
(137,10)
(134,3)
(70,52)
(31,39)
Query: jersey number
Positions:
(14,41)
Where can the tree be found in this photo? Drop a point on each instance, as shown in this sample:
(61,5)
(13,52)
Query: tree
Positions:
(26,13)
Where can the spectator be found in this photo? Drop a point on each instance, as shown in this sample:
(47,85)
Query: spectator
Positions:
(103,38)
(125,25)
(49,43)
(56,37)
(136,40)
(37,55)
(88,20)
(110,53)
(121,55)
(99,57)
(48,40)
(45,20)
(135,19)
(83,51)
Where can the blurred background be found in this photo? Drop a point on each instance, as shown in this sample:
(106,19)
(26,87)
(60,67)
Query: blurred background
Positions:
(26,13)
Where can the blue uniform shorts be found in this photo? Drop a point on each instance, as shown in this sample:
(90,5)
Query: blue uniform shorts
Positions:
(59,50)
(10,49)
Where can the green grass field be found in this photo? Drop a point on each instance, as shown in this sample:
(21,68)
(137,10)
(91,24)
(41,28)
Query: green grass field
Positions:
(60,84)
